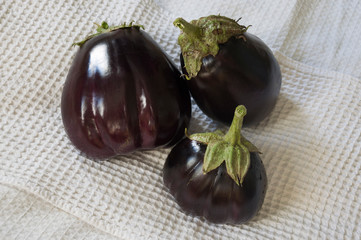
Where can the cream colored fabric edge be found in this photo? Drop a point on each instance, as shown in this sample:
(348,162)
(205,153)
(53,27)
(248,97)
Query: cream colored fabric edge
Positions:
(25,215)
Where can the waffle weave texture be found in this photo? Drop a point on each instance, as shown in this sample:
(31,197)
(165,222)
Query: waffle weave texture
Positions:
(310,143)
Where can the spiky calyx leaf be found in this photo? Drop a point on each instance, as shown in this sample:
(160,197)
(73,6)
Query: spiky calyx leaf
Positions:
(231,148)
(104,28)
(202,37)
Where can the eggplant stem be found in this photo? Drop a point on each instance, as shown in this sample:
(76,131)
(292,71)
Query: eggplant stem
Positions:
(202,37)
(188,28)
(231,148)
(233,136)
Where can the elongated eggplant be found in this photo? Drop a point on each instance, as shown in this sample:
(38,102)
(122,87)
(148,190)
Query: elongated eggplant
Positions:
(228,66)
(123,93)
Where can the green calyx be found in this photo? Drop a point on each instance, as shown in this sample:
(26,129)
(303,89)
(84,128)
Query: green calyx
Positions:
(105,28)
(202,37)
(231,148)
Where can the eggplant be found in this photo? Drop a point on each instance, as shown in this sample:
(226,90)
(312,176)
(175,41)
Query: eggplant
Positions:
(227,66)
(220,178)
(123,94)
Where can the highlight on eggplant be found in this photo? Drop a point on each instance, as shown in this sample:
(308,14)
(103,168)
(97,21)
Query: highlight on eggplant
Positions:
(216,176)
(123,93)
(227,66)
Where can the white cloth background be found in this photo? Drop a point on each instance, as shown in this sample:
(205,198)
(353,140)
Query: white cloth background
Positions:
(311,142)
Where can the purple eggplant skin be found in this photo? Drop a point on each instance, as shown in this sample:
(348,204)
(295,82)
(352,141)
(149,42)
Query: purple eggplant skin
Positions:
(122,94)
(245,72)
(214,195)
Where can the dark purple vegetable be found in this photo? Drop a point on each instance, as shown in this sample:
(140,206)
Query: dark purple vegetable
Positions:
(123,93)
(219,177)
(227,67)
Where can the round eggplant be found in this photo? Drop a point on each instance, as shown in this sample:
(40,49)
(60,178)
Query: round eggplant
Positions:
(226,67)
(218,177)
(123,93)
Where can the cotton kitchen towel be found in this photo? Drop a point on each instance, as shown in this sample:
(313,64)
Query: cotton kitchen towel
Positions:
(310,142)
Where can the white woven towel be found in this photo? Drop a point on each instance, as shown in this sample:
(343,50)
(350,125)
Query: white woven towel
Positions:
(311,141)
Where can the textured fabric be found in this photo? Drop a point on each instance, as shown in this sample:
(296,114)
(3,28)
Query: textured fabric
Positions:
(25,216)
(310,143)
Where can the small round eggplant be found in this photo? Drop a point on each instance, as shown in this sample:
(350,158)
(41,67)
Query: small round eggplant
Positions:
(218,177)
(227,67)
(123,93)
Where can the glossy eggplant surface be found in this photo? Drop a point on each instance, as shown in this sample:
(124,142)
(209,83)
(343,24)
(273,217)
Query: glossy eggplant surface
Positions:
(226,67)
(245,72)
(213,195)
(122,94)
